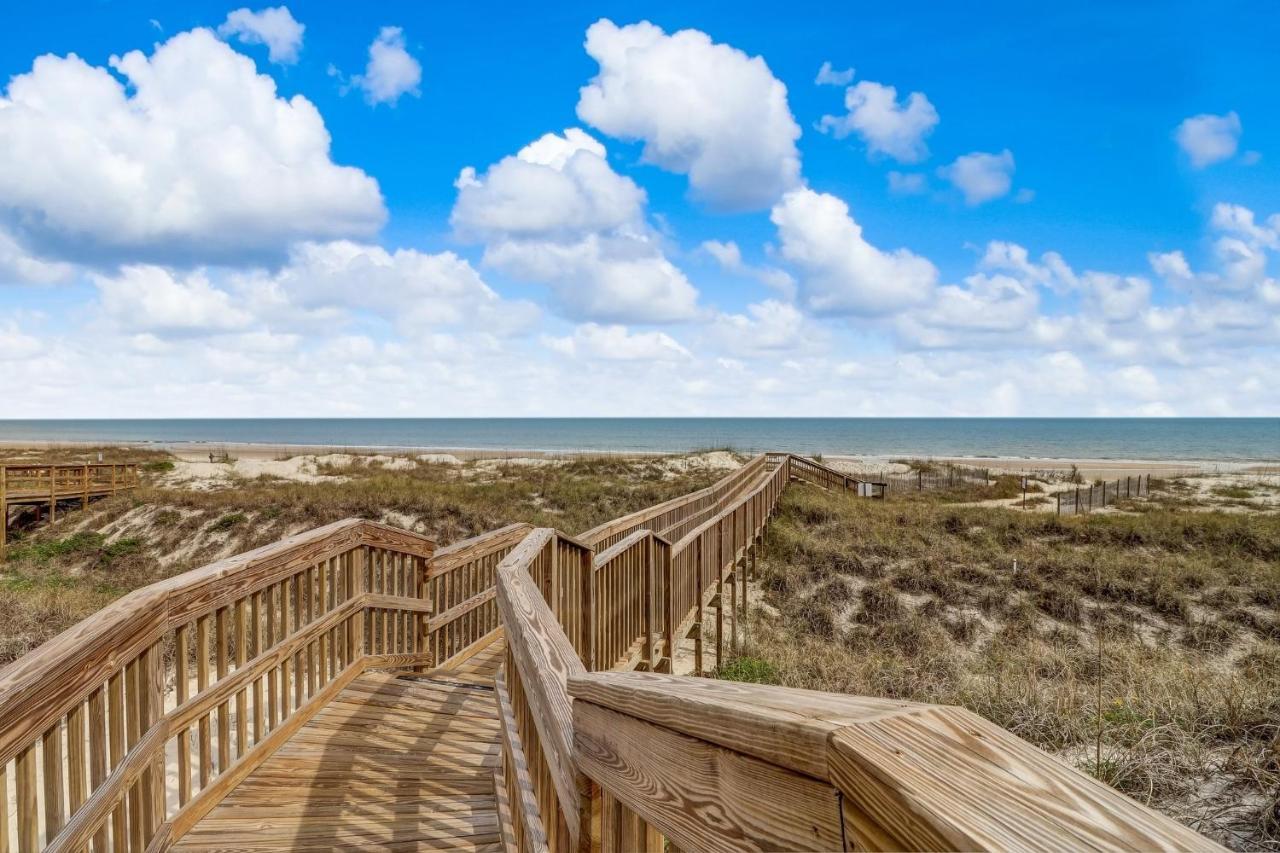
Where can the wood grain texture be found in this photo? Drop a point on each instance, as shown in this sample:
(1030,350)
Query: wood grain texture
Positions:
(701,796)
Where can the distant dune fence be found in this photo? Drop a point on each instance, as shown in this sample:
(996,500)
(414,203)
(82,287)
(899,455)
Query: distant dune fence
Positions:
(939,477)
(1084,499)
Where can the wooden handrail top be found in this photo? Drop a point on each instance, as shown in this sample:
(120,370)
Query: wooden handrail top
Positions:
(913,776)
(623,544)
(608,528)
(693,534)
(457,553)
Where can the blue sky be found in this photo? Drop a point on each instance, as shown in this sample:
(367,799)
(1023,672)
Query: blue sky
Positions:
(1076,216)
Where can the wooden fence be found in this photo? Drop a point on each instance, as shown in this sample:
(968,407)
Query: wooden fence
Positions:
(636,759)
(1084,499)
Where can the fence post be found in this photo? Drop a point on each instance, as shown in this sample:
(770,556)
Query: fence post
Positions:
(1075,509)
(84,488)
(4,515)
(1104,493)
(919,480)
(53,494)
(1059,496)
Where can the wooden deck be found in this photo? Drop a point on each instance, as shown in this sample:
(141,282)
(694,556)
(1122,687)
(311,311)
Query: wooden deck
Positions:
(394,762)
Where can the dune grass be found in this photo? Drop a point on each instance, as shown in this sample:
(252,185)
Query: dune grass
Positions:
(1005,613)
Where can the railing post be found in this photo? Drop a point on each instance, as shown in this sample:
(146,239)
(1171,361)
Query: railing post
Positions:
(668,609)
(4,509)
(588,604)
(84,488)
(53,494)
(698,593)
(650,558)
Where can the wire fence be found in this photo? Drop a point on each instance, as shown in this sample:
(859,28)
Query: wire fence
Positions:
(1088,498)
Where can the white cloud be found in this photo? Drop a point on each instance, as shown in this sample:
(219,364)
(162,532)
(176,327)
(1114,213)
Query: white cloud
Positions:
(701,108)
(144,298)
(612,279)
(275,27)
(556,213)
(1206,138)
(912,183)
(391,71)
(15,344)
(981,177)
(729,257)
(557,186)
(414,290)
(615,343)
(986,306)
(18,266)
(841,273)
(768,326)
(828,76)
(886,127)
(196,159)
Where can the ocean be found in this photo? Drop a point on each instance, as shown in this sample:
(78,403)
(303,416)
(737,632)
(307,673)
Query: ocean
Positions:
(1219,439)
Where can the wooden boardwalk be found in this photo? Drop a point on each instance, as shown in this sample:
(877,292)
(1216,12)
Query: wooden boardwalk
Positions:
(394,762)
(355,686)
(46,486)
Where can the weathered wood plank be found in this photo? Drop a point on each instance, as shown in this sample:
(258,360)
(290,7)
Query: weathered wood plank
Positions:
(702,796)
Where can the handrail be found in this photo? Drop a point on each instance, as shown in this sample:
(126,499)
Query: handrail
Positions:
(803,770)
(663,515)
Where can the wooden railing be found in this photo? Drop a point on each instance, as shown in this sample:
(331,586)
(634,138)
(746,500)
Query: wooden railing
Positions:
(212,670)
(47,485)
(668,514)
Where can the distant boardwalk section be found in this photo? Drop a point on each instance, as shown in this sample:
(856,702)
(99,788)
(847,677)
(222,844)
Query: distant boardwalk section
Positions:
(45,487)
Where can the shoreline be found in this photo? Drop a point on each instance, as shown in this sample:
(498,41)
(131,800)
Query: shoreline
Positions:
(1088,466)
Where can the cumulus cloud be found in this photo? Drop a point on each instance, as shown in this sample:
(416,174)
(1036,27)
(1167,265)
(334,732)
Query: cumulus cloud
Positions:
(768,326)
(986,307)
(275,27)
(557,213)
(557,186)
(842,273)
(887,127)
(1207,139)
(145,298)
(18,266)
(828,76)
(602,277)
(196,159)
(616,343)
(980,176)
(415,290)
(701,108)
(391,71)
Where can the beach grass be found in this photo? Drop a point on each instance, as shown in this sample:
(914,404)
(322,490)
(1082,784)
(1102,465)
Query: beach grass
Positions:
(1155,634)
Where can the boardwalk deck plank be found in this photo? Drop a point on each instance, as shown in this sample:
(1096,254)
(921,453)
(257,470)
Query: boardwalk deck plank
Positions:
(393,762)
